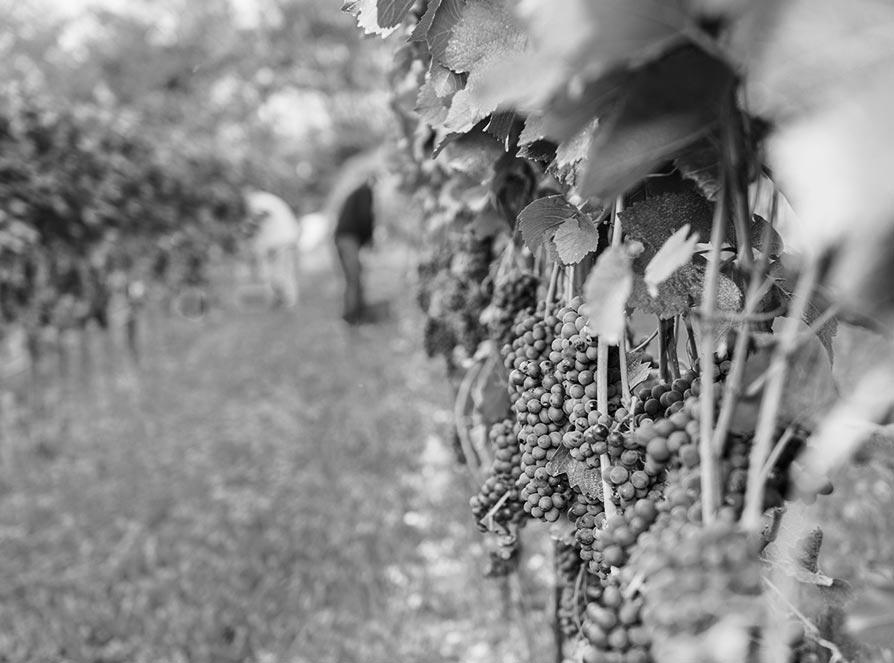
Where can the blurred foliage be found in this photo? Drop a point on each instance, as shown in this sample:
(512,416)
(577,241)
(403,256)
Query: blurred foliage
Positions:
(281,88)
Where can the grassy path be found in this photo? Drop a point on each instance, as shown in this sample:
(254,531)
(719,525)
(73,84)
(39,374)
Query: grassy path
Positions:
(271,488)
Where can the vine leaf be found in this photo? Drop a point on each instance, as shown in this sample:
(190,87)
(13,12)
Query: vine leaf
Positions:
(489,395)
(668,105)
(390,13)
(576,238)
(700,163)
(675,295)
(606,292)
(431,107)
(486,34)
(582,41)
(774,245)
(638,370)
(366,12)
(775,41)
(538,221)
(676,251)
(784,288)
(423,27)
(580,475)
(571,112)
(653,221)
(571,156)
(436,26)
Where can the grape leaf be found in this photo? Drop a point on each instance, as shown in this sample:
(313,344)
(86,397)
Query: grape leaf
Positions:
(538,221)
(638,371)
(675,295)
(783,288)
(571,156)
(489,394)
(759,228)
(676,251)
(366,13)
(472,154)
(573,111)
(700,163)
(580,475)
(581,40)
(543,151)
(606,291)
(420,32)
(505,126)
(445,82)
(390,13)
(432,109)
(533,129)
(668,105)
(445,16)
(486,34)
(654,220)
(576,238)
(791,69)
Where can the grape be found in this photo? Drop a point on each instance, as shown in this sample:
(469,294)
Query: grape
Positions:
(500,484)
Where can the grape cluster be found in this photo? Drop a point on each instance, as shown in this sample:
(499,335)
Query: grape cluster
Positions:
(538,400)
(452,294)
(498,497)
(613,628)
(513,293)
(695,575)
(573,588)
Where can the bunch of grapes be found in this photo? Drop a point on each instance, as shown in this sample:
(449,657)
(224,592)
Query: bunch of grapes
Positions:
(497,506)
(613,630)
(570,582)
(696,575)
(513,293)
(538,400)
(452,292)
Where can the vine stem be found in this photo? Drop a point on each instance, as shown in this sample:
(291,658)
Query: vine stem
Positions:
(757,287)
(622,343)
(772,397)
(602,406)
(736,186)
(569,284)
(707,455)
(602,374)
(551,289)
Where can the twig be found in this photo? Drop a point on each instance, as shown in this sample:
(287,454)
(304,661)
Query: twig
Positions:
(488,519)
(643,344)
(735,182)
(772,397)
(663,373)
(459,417)
(786,437)
(707,456)
(691,345)
(578,583)
(551,289)
(602,406)
(617,230)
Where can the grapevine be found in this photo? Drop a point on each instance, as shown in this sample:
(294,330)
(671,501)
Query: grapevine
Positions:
(629,170)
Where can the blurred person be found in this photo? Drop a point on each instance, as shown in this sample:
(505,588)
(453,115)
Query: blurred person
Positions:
(354,231)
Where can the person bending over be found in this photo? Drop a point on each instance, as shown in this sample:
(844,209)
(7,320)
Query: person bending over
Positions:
(353,231)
